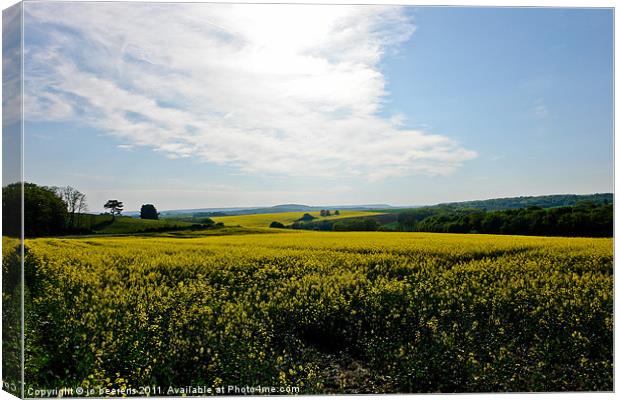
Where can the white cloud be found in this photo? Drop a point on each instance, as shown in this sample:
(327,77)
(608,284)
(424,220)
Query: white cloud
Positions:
(541,110)
(11,66)
(270,89)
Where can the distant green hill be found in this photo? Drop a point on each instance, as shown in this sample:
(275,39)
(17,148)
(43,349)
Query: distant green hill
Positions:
(554,215)
(194,214)
(555,200)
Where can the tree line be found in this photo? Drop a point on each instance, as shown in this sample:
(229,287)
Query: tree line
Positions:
(585,218)
(555,200)
(342,225)
(52,210)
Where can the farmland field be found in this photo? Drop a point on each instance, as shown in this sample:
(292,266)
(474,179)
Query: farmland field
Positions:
(330,312)
(104,224)
(263,220)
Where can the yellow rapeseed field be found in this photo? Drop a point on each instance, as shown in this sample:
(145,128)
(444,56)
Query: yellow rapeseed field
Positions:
(286,218)
(329,312)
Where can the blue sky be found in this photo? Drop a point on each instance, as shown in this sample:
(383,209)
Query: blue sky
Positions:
(188,106)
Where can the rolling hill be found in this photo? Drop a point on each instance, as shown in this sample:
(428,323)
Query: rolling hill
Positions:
(103,224)
(281,208)
(554,200)
(263,220)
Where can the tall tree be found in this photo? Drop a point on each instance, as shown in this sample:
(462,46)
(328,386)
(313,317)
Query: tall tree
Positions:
(44,211)
(148,211)
(76,203)
(81,209)
(115,207)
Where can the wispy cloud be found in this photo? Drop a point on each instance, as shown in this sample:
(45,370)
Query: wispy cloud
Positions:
(271,89)
(541,110)
(11,67)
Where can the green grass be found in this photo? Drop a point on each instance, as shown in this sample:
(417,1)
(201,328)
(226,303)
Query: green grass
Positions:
(263,220)
(104,224)
(392,226)
(223,231)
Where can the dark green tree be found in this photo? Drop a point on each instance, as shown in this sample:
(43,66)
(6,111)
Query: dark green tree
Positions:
(115,207)
(148,211)
(306,217)
(356,224)
(44,212)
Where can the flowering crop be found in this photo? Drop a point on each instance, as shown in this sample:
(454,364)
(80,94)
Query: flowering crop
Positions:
(326,311)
